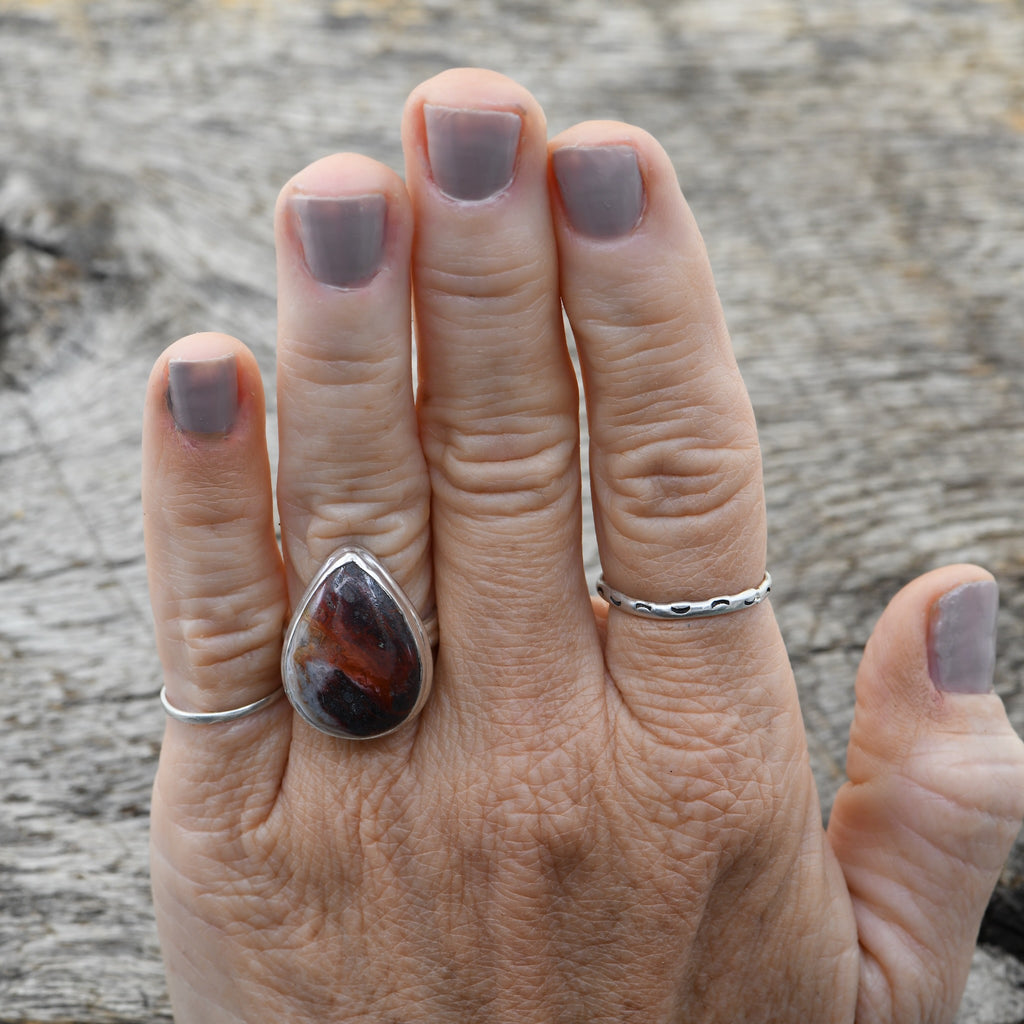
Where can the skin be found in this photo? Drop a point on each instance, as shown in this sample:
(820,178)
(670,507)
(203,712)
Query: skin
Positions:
(596,817)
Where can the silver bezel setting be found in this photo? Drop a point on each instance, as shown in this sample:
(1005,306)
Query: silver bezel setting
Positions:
(351,553)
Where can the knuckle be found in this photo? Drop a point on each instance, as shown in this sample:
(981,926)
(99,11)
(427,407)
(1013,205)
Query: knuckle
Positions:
(504,473)
(674,479)
(237,634)
(384,508)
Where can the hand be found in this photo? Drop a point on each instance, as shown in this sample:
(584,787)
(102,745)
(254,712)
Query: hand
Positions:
(596,816)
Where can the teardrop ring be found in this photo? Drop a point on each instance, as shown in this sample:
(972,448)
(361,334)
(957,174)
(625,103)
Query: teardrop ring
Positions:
(357,661)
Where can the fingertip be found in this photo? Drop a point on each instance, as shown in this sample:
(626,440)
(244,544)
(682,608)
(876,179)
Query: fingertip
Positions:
(586,134)
(342,222)
(962,637)
(610,181)
(472,137)
(925,703)
(468,88)
(340,174)
(204,345)
(935,638)
(204,386)
(204,430)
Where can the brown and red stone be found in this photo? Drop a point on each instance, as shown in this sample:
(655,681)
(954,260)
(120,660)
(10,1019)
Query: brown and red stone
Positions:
(353,667)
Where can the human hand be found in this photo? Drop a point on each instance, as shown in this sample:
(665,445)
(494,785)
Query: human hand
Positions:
(596,816)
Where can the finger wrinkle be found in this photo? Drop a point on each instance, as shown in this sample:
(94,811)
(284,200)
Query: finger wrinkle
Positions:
(338,375)
(210,643)
(685,362)
(216,495)
(662,302)
(608,322)
(495,277)
(673,482)
(674,418)
(545,404)
(513,482)
(396,511)
(489,336)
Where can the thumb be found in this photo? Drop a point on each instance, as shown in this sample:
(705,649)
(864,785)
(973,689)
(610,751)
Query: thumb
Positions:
(935,797)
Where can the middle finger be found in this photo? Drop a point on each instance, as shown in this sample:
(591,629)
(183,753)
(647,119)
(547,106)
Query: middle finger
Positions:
(498,398)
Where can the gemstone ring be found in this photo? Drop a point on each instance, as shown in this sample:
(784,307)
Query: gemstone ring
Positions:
(357,661)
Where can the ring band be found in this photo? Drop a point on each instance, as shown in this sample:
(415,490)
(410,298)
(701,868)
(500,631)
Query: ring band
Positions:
(687,609)
(212,717)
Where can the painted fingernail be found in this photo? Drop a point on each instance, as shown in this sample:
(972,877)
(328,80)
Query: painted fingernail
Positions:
(962,638)
(602,189)
(342,236)
(472,153)
(203,394)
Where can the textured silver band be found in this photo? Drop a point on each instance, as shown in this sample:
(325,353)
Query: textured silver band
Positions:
(687,609)
(213,717)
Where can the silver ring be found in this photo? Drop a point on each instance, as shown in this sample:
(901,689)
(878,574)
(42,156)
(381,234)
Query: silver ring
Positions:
(687,609)
(357,660)
(212,717)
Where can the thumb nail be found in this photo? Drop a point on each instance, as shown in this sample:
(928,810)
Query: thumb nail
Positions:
(962,638)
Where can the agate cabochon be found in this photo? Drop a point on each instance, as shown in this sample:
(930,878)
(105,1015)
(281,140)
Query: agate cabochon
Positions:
(356,660)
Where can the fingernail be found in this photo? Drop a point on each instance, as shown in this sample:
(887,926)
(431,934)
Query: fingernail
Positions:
(472,153)
(203,394)
(962,638)
(342,236)
(602,189)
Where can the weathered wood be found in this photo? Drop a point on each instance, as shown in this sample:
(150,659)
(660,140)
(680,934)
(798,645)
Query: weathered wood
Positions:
(856,169)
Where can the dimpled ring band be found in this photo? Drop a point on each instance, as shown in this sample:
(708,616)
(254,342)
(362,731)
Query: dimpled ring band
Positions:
(212,717)
(687,609)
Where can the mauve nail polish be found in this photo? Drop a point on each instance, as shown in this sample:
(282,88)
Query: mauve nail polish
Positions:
(962,638)
(203,393)
(602,188)
(342,236)
(472,153)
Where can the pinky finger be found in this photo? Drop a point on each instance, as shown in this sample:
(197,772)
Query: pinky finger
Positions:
(215,572)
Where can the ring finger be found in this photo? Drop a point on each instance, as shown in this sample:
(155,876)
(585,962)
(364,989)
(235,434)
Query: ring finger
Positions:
(675,462)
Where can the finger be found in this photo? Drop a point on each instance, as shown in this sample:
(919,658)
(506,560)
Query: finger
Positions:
(498,401)
(350,468)
(216,583)
(351,471)
(935,797)
(675,463)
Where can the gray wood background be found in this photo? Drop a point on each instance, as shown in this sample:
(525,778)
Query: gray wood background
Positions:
(857,168)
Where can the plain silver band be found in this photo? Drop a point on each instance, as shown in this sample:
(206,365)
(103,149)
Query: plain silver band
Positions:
(212,717)
(687,609)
